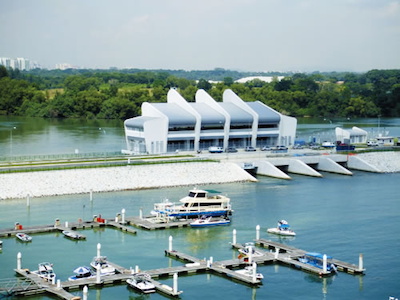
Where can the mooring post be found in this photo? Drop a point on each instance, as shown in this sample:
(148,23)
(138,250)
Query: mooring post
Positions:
(19,259)
(257,232)
(324,263)
(98,281)
(98,250)
(211,260)
(170,243)
(58,283)
(175,288)
(276,253)
(360,262)
(208,263)
(234,237)
(85,292)
(28,202)
(140,213)
(254,271)
(136,269)
(91,195)
(53,280)
(123,216)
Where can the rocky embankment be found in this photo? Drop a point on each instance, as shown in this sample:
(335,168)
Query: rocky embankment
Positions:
(77,181)
(386,162)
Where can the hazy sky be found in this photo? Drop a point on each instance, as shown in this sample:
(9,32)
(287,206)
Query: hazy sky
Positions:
(246,35)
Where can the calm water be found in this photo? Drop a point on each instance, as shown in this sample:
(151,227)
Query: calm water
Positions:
(338,215)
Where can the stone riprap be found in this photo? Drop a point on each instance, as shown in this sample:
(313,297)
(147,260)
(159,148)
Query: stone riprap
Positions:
(385,161)
(77,181)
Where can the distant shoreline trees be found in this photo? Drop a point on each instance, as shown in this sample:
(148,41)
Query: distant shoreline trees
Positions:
(114,94)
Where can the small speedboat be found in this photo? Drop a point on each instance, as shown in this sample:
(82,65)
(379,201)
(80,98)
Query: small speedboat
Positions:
(142,282)
(45,271)
(82,273)
(206,221)
(23,237)
(317,260)
(73,235)
(248,249)
(248,271)
(105,267)
(283,228)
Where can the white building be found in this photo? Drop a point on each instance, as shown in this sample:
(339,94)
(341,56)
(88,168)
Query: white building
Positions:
(351,136)
(195,126)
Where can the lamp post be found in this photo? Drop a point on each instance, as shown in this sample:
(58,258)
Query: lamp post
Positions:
(11,139)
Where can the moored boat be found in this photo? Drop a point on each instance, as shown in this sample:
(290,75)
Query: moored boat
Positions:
(283,228)
(142,282)
(45,271)
(23,237)
(318,260)
(249,271)
(206,221)
(73,235)
(82,273)
(104,267)
(249,250)
(195,204)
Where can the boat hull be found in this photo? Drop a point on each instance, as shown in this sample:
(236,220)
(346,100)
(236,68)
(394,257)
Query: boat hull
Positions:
(210,224)
(281,232)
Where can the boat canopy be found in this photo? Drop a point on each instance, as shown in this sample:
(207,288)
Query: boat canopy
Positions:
(317,255)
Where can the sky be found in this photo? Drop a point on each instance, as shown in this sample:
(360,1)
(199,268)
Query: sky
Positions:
(244,35)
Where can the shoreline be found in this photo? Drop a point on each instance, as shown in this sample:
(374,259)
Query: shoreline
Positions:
(80,181)
(110,179)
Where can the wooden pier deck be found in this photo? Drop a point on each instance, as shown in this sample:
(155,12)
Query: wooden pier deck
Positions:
(151,223)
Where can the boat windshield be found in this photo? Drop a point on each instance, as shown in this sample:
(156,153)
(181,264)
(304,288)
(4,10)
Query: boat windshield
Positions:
(193,194)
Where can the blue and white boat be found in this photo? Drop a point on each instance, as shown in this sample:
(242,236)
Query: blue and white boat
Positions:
(283,228)
(206,221)
(82,273)
(196,203)
(317,260)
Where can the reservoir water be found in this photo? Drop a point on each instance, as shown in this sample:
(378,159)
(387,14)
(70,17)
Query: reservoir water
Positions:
(341,216)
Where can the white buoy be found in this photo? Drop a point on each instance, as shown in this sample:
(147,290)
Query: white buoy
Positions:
(123,216)
(276,253)
(28,200)
(98,280)
(254,271)
(360,262)
(140,213)
(324,263)
(170,243)
(98,250)
(175,287)
(19,259)
(91,195)
(85,292)
(234,237)
(257,232)
(66,224)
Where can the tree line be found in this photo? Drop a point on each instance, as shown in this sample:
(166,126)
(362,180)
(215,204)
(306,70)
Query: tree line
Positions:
(113,94)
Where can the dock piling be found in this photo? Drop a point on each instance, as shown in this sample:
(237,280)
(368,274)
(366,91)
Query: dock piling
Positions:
(254,271)
(28,202)
(58,283)
(66,224)
(324,263)
(123,216)
(91,195)
(360,262)
(98,280)
(234,237)
(257,232)
(276,253)
(85,292)
(250,254)
(141,213)
(175,286)
(19,259)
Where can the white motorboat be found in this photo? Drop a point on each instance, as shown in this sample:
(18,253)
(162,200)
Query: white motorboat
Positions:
(82,273)
(248,250)
(283,228)
(45,271)
(142,282)
(105,267)
(195,204)
(327,145)
(73,235)
(248,271)
(206,221)
(318,260)
(23,237)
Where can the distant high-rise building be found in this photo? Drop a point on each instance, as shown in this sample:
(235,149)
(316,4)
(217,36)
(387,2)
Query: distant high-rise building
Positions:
(19,63)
